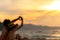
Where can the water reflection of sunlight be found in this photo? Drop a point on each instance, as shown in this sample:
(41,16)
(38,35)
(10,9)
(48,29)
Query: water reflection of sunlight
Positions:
(56,33)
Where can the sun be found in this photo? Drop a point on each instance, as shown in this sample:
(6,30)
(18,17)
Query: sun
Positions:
(53,6)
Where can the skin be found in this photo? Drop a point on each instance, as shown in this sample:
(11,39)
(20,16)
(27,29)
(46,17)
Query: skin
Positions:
(11,34)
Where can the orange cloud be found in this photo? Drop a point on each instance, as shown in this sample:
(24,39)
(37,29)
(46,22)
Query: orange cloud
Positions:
(31,10)
(38,17)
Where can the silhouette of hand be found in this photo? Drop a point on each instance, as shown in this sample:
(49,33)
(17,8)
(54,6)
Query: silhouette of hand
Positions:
(21,18)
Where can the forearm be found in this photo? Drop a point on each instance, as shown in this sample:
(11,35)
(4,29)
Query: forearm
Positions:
(14,20)
(18,27)
(21,24)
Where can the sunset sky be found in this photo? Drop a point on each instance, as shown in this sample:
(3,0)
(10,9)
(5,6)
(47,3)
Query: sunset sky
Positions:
(37,12)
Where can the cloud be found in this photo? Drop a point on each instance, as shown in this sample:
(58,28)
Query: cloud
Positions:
(29,10)
(23,4)
(37,17)
(32,4)
(50,18)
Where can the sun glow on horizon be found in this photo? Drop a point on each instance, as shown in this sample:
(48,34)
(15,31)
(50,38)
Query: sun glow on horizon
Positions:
(37,12)
(53,6)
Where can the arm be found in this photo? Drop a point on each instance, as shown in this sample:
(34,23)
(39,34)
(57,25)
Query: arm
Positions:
(18,27)
(10,28)
(21,23)
(14,20)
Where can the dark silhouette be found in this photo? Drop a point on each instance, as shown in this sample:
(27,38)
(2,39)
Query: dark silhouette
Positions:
(8,23)
(8,31)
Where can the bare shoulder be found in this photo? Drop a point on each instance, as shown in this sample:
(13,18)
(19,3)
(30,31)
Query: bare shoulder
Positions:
(4,29)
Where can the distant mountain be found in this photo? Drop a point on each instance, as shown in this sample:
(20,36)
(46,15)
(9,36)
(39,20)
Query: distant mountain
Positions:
(34,27)
(29,27)
(37,27)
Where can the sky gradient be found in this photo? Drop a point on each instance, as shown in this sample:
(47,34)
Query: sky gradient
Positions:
(38,12)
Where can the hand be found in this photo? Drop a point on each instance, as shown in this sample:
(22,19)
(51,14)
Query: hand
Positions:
(19,17)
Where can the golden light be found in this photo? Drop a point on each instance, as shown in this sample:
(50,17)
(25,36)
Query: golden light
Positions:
(55,33)
(53,6)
